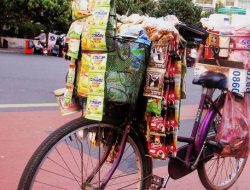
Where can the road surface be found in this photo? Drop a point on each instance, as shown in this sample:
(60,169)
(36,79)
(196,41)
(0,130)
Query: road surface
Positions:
(28,115)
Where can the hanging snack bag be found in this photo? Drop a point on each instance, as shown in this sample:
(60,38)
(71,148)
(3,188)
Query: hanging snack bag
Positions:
(154,105)
(83,84)
(71,74)
(158,124)
(94,108)
(100,16)
(96,83)
(156,146)
(94,39)
(76,28)
(80,9)
(154,83)
(158,57)
(68,94)
(74,45)
(94,61)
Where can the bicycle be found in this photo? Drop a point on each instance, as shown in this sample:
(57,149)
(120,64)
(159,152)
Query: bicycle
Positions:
(112,154)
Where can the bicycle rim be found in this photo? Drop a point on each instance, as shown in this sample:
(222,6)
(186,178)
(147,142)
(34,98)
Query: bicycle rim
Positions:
(78,160)
(220,172)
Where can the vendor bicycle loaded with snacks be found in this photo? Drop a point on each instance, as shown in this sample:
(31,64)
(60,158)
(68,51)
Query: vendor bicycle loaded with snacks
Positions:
(129,91)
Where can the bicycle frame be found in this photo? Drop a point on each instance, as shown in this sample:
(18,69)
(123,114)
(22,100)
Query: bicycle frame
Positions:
(196,141)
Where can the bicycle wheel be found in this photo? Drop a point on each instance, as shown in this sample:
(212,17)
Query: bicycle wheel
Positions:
(73,157)
(220,172)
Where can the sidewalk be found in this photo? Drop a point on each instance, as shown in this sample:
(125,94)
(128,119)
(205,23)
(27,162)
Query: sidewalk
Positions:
(22,132)
(12,50)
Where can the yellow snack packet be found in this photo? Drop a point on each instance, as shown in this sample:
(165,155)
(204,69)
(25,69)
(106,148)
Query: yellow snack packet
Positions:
(83,84)
(94,108)
(80,9)
(98,3)
(74,46)
(75,29)
(94,39)
(71,73)
(94,61)
(96,83)
(68,94)
(100,16)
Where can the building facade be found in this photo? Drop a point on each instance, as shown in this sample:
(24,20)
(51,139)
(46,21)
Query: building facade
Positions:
(245,4)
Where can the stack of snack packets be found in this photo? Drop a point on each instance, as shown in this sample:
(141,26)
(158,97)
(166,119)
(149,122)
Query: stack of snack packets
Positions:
(80,11)
(163,87)
(92,65)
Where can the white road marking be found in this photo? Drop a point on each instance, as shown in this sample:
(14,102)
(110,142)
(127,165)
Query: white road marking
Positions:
(38,105)
(187,111)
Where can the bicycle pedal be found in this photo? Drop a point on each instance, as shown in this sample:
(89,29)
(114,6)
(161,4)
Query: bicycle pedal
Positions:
(156,183)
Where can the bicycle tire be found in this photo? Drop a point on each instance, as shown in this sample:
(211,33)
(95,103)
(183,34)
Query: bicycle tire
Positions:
(52,140)
(203,173)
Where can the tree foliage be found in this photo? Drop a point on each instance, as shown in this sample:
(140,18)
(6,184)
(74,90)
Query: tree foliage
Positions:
(12,11)
(185,10)
(53,14)
(24,18)
(127,7)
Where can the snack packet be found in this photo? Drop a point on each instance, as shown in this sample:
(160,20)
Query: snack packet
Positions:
(75,29)
(68,94)
(94,39)
(158,57)
(94,108)
(100,16)
(80,9)
(96,83)
(158,124)
(94,62)
(74,45)
(71,73)
(154,83)
(83,84)
(99,3)
(154,105)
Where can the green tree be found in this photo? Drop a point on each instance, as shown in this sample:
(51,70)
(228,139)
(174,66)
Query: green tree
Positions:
(53,14)
(127,7)
(185,10)
(12,12)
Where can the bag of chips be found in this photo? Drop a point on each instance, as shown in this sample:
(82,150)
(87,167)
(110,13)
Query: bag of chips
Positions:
(94,108)
(80,9)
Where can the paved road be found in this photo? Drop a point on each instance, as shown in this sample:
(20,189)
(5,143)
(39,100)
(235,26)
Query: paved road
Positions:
(27,83)
(30,78)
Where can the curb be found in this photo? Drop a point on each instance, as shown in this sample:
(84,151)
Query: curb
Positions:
(7,50)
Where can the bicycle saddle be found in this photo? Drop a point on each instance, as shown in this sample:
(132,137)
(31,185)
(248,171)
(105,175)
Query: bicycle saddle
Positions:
(210,79)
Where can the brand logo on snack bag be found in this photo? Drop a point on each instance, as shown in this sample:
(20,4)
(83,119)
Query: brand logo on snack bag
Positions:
(98,58)
(96,80)
(102,13)
(97,35)
(95,102)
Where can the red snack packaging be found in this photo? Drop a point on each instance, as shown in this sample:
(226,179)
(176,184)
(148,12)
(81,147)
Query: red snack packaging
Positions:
(158,124)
